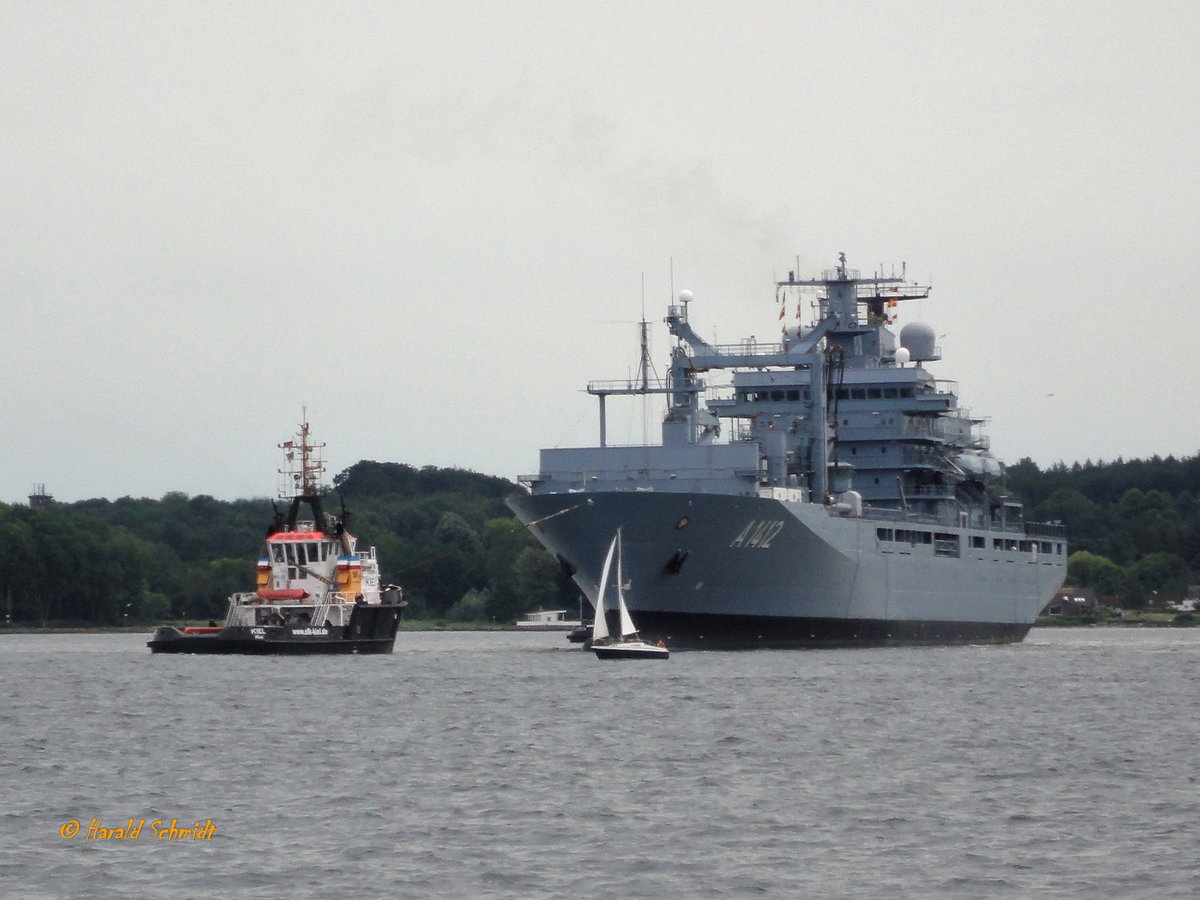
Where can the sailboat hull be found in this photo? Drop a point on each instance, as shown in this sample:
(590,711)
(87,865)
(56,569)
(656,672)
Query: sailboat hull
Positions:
(630,650)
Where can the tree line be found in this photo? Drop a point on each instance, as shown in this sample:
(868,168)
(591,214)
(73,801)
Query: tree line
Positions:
(444,535)
(1133,527)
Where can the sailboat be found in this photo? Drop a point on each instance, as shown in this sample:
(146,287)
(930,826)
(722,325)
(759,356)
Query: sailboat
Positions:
(626,645)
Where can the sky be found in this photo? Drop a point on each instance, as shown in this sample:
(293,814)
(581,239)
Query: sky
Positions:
(430,224)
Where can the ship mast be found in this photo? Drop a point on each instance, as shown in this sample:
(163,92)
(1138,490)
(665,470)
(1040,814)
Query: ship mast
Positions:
(644,383)
(300,480)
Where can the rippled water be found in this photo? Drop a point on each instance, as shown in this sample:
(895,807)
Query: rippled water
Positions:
(516,765)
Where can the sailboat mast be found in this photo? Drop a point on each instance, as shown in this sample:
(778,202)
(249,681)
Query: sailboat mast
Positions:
(627,627)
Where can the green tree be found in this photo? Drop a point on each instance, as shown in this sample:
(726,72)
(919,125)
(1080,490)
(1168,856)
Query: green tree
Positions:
(1090,570)
(503,540)
(455,531)
(536,579)
(471,607)
(153,608)
(1162,574)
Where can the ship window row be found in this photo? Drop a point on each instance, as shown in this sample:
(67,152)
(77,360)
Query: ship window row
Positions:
(947,544)
(765,395)
(904,535)
(777,395)
(944,543)
(887,393)
(301,553)
(1048,547)
(854,450)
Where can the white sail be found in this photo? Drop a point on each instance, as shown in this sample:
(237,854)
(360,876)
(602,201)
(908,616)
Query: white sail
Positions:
(600,623)
(626,622)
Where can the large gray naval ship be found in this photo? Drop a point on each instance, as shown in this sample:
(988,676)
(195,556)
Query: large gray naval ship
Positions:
(830,492)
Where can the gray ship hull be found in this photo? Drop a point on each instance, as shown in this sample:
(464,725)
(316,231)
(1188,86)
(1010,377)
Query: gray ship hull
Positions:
(710,571)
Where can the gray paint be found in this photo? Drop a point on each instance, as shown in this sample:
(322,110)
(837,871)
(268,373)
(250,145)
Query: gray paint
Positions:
(829,439)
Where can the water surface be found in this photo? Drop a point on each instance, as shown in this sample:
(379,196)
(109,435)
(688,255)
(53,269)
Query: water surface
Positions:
(516,765)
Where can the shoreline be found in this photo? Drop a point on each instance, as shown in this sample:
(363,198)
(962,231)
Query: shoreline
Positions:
(1132,620)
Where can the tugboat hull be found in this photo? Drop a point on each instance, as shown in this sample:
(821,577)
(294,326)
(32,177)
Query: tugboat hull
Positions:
(372,629)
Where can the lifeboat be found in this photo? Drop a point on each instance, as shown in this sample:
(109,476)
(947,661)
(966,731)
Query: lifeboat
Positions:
(284,594)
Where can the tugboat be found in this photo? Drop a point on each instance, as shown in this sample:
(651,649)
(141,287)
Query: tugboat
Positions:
(315,592)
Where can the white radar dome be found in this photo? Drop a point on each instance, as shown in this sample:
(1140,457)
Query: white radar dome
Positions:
(685,296)
(901,356)
(919,340)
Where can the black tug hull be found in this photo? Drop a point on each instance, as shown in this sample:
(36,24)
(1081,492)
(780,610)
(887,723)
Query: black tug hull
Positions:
(372,629)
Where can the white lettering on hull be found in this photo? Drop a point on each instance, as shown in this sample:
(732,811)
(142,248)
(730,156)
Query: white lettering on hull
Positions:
(758,534)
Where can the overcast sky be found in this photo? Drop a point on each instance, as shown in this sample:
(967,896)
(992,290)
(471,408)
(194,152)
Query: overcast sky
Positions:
(430,222)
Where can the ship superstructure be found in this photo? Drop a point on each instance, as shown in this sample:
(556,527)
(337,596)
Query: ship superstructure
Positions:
(310,569)
(831,490)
